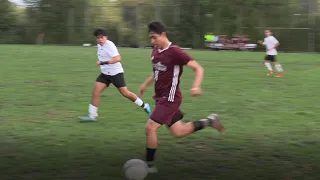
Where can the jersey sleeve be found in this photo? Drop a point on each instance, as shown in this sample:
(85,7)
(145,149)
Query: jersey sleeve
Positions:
(113,50)
(181,57)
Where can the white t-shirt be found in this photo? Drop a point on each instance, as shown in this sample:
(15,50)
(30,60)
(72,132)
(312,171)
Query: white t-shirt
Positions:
(270,42)
(106,53)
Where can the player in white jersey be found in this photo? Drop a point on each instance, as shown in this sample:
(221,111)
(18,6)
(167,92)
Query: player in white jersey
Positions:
(271,44)
(111,73)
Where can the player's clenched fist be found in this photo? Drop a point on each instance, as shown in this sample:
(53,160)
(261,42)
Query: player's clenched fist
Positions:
(196,91)
(141,90)
(98,63)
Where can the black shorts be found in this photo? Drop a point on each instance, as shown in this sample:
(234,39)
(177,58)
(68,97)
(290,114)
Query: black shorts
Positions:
(271,58)
(117,80)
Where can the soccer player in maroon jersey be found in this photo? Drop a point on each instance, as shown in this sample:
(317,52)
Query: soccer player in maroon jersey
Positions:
(168,61)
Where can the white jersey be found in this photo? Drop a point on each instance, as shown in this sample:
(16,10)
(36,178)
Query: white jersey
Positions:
(106,53)
(270,42)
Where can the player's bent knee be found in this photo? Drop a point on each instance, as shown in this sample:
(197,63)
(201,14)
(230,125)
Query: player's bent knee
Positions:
(151,126)
(149,130)
(124,92)
(98,88)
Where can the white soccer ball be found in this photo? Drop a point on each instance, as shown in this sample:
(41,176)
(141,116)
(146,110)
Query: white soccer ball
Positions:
(135,169)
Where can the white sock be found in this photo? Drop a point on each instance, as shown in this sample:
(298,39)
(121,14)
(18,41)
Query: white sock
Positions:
(268,65)
(140,103)
(278,67)
(93,111)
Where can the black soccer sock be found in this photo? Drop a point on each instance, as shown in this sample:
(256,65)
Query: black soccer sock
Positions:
(198,125)
(150,156)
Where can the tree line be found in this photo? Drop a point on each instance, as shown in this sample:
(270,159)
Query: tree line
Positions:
(295,22)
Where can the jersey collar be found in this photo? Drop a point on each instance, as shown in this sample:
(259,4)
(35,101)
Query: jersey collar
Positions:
(161,50)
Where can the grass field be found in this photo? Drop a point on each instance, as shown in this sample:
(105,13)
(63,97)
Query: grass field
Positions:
(272,124)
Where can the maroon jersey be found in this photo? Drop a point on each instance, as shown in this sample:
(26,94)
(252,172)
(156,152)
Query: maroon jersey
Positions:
(167,67)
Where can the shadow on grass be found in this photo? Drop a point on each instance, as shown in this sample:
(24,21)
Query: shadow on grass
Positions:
(188,159)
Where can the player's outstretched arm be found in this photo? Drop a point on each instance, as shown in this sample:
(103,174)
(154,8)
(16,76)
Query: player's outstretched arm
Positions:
(262,43)
(146,84)
(198,69)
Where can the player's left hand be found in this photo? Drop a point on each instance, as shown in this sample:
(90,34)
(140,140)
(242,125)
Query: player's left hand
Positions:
(141,90)
(98,63)
(196,91)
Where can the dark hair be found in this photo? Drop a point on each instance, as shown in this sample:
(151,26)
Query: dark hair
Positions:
(99,32)
(156,27)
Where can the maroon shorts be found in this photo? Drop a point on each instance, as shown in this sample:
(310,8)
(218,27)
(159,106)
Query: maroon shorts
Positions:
(166,112)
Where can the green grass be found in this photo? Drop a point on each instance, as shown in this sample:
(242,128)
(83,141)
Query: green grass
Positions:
(272,124)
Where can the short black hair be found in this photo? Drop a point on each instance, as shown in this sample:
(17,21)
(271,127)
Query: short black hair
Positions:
(99,32)
(156,27)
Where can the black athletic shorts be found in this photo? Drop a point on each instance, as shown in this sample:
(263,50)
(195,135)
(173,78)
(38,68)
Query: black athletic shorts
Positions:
(271,58)
(117,80)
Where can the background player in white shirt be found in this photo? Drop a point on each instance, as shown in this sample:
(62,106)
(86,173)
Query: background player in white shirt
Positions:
(271,44)
(111,72)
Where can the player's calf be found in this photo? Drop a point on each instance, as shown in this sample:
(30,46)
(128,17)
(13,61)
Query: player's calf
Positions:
(134,98)
(95,100)
(152,145)
(279,69)
(269,67)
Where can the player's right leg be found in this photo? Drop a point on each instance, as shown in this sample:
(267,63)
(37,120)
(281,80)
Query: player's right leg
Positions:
(268,65)
(151,144)
(162,114)
(101,83)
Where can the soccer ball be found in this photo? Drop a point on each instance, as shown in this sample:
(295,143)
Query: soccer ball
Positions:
(135,169)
